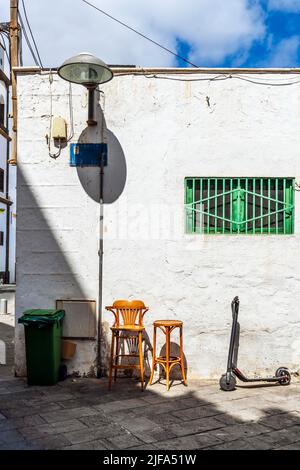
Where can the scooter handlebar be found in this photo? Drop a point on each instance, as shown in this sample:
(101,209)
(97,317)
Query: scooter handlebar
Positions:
(235,305)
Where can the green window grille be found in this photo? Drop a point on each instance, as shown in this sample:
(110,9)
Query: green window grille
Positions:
(239,205)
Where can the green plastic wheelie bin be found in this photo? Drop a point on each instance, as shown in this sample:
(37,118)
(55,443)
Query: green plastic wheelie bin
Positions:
(43,331)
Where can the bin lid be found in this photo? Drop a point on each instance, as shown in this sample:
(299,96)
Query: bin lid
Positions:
(41,316)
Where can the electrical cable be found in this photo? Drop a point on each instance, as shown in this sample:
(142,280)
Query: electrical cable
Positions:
(216,78)
(140,34)
(28,42)
(213,79)
(57,154)
(31,34)
(256,82)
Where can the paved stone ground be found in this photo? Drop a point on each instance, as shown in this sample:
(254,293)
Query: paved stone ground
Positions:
(83,414)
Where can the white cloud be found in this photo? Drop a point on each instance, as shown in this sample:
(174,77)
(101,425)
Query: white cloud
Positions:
(285,5)
(284,54)
(214,29)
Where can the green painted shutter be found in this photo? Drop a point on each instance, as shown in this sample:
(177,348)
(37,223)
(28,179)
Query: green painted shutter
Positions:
(239,205)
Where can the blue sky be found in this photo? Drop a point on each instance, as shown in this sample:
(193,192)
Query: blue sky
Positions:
(210,33)
(278,46)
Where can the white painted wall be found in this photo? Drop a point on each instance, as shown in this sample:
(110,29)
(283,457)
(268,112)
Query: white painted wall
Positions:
(167,131)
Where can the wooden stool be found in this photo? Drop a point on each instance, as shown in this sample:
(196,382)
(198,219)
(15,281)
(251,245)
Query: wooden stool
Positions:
(167,361)
(129,326)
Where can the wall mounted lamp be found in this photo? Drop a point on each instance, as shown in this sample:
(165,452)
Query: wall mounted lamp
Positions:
(89,71)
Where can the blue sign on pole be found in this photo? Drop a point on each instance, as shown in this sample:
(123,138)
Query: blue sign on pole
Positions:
(88,154)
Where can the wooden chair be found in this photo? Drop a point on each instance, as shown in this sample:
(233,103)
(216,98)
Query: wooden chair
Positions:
(129,326)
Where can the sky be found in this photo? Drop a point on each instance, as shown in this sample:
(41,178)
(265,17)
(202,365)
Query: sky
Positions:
(209,33)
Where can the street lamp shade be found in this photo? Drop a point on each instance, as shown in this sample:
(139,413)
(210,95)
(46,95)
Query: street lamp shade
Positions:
(85,69)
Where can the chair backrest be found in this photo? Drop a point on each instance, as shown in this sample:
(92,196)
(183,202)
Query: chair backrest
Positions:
(128,313)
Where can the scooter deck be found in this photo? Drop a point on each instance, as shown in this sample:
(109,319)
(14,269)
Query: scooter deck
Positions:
(243,378)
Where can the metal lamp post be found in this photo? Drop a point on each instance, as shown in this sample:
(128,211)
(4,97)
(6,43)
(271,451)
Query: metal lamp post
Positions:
(89,71)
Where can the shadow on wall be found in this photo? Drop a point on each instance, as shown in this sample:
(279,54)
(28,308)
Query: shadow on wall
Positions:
(114,173)
(114,181)
(44,273)
(44,269)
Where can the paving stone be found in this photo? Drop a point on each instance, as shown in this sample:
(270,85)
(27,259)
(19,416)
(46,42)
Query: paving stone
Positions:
(27,410)
(261,442)
(237,431)
(165,419)
(114,406)
(282,420)
(139,424)
(238,444)
(54,397)
(198,412)
(283,437)
(79,402)
(244,415)
(155,435)
(32,420)
(91,434)
(195,426)
(206,440)
(95,420)
(51,442)
(123,441)
(20,445)
(120,415)
(295,446)
(54,428)
(144,447)
(65,414)
(151,410)
(180,443)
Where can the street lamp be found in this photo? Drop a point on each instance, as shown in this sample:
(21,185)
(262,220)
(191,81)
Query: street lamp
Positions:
(89,71)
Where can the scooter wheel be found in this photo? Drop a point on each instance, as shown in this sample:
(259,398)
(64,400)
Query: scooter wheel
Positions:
(227,387)
(283,371)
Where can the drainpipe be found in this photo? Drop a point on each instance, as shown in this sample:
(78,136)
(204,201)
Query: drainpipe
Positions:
(99,330)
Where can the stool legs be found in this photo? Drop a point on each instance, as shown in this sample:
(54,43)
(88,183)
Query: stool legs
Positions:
(141,359)
(114,358)
(168,362)
(167,366)
(153,355)
(117,358)
(111,360)
(181,356)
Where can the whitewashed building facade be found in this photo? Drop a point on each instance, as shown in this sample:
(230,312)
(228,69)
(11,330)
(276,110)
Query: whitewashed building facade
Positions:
(201,203)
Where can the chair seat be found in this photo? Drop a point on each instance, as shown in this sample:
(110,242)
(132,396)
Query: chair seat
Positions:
(167,323)
(127,328)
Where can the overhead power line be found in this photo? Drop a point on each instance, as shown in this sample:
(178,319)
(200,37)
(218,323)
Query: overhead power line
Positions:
(31,34)
(28,41)
(140,34)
